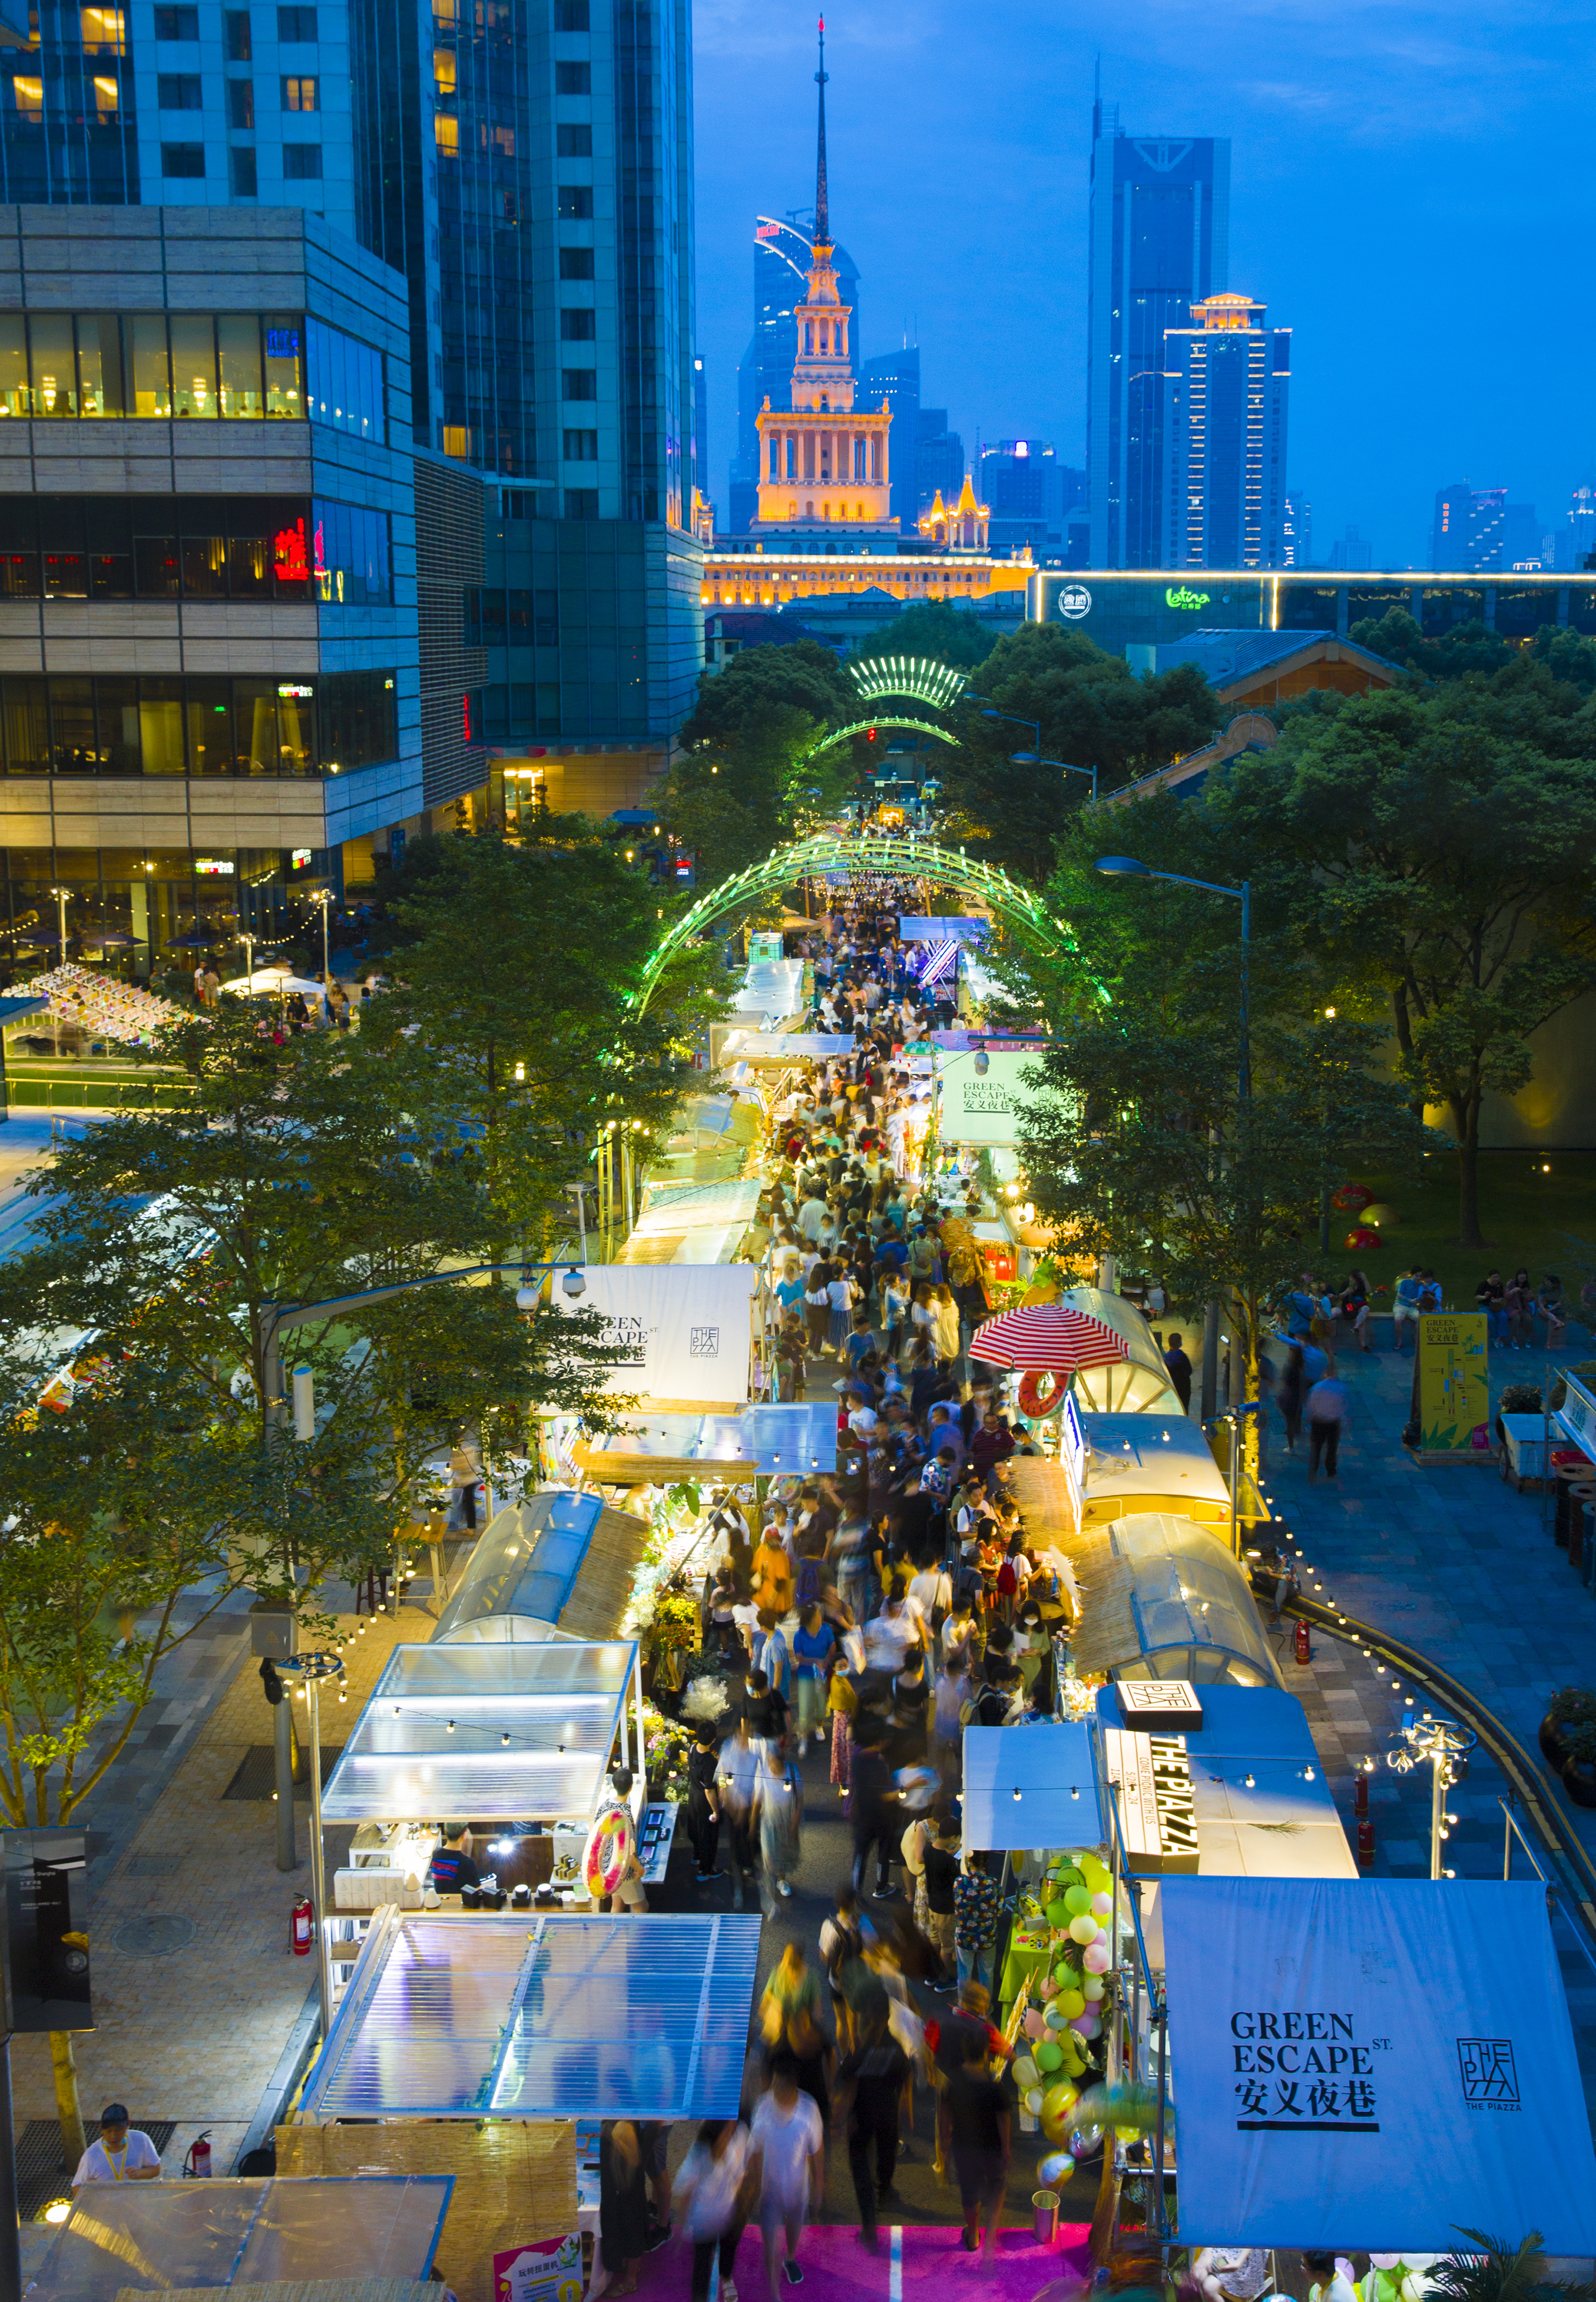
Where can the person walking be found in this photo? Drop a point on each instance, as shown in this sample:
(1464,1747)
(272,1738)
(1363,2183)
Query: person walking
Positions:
(1291,1391)
(623,2208)
(1327,1405)
(1180,1373)
(787,2144)
(814,1653)
(975,1921)
(703,1803)
(873,1805)
(978,2129)
(778,1802)
(711,2202)
(870,2089)
(739,1775)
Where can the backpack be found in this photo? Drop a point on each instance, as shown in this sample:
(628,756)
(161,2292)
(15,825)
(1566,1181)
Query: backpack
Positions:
(807,1584)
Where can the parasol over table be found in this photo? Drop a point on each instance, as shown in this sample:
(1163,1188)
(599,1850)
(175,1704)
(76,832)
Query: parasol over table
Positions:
(1047,1339)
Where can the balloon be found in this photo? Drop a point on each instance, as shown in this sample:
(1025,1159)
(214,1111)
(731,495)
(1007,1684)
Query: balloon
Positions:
(1025,2069)
(1057,2014)
(1094,1871)
(1096,1959)
(1093,1988)
(1076,1901)
(1048,2056)
(1033,2024)
(1072,2003)
(1086,2026)
(1063,1974)
(1059,2098)
(1055,2168)
(1059,1914)
(1083,1930)
(1033,2101)
(1102,1905)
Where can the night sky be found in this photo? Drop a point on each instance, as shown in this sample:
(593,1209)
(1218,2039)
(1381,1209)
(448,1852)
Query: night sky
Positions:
(1410,192)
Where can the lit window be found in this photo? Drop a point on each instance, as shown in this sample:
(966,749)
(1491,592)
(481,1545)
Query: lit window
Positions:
(103,29)
(29,98)
(446,135)
(105,96)
(443,71)
(299,94)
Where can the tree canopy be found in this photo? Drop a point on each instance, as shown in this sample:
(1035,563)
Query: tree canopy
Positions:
(934,628)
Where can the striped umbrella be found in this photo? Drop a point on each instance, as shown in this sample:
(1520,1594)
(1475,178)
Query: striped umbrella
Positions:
(1047,1339)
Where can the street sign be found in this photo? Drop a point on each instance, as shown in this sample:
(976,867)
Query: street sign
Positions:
(45,1908)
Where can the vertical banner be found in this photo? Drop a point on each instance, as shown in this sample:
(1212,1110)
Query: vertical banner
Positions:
(1453,1387)
(684,1326)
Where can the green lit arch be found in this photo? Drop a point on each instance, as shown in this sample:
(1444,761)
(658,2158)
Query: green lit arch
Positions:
(882,720)
(1019,909)
(922,678)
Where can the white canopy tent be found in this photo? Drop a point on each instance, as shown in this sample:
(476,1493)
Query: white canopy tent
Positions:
(274,979)
(1392,2055)
(1029,1787)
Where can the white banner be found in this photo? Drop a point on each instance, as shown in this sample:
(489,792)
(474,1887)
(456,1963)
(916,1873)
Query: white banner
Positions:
(1389,2054)
(684,1326)
(984,1107)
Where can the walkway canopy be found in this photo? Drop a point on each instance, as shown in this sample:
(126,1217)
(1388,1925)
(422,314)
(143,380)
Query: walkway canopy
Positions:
(487,1732)
(1403,2051)
(1140,1384)
(571,2017)
(559,1558)
(1171,1603)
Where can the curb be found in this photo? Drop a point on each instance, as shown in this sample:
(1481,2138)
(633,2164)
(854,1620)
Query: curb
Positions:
(281,2086)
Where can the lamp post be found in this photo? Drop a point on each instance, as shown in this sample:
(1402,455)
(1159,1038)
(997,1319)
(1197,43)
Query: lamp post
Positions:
(1127,866)
(310,1671)
(1035,759)
(324,897)
(64,896)
(1016,718)
(1444,1744)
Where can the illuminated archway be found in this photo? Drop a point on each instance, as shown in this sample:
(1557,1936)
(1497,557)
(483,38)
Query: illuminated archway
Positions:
(1018,909)
(884,720)
(922,678)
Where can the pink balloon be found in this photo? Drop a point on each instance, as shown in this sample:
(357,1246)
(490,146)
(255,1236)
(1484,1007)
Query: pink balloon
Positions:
(1090,2023)
(1035,2027)
(1102,1905)
(1095,1958)
(1082,2025)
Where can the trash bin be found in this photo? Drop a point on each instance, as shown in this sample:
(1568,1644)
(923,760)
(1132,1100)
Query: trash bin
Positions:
(1045,2216)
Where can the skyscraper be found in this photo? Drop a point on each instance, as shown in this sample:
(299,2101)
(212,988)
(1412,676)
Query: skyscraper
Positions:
(1159,235)
(1467,533)
(1226,379)
(1031,495)
(940,457)
(893,379)
(1298,534)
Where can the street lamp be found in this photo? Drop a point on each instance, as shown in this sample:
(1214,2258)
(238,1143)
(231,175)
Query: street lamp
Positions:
(1017,717)
(1035,759)
(310,1671)
(64,896)
(1127,866)
(324,897)
(1443,1742)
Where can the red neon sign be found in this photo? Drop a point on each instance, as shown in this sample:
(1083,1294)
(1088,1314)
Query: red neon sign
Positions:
(290,559)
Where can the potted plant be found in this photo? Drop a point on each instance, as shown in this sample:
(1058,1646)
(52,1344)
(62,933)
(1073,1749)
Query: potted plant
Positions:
(1569,1707)
(1579,1769)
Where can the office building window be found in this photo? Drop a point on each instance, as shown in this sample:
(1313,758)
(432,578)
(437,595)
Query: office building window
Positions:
(570,16)
(182,159)
(301,162)
(573,140)
(236,26)
(344,381)
(572,79)
(178,91)
(578,327)
(581,503)
(299,94)
(581,384)
(327,724)
(295,23)
(152,364)
(575,203)
(103,32)
(28,95)
(240,103)
(170,548)
(576,263)
(582,446)
(1521,609)
(177,23)
(352,557)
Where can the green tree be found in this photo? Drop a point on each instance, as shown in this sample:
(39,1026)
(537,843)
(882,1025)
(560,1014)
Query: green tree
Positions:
(933,628)
(1466,651)
(1094,712)
(1429,853)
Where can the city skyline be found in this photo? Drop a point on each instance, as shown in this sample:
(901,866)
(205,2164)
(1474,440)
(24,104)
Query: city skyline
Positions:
(1419,207)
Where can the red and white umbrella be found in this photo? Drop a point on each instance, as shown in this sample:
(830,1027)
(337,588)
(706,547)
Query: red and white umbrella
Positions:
(1047,1339)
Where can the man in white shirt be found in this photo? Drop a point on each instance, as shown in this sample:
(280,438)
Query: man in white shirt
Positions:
(811,1215)
(122,2154)
(786,2140)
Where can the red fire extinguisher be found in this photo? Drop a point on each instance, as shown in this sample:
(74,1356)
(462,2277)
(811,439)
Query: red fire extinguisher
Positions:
(302,1926)
(1365,1843)
(1305,1652)
(198,2163)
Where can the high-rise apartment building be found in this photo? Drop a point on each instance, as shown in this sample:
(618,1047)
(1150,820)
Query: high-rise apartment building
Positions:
(782,252)
(1576,540)
(1031,494)
(1468,530)
(1159,243)
(1226,381)
(1297,535)
(1352,552)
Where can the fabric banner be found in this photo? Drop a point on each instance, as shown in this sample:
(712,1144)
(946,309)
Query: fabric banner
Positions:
(985,1107)
(1454,1386)
(684,1326)
(1393,2056)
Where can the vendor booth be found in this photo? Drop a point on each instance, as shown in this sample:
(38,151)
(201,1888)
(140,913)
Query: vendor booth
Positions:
(1140,1384)
(1027,1786)
(565,2017)
(1151,1462)
(1401,2060)
(769,1440)
(778,1050)
(683,1223)
(1171,1604)
(556,1559)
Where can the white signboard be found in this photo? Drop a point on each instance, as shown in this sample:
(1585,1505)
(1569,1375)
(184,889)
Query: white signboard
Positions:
(1157,1812)
(1172,1705)
(684,1326)
(984,1107)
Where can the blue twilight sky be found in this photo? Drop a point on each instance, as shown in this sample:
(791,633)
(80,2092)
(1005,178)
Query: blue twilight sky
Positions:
(1410,192)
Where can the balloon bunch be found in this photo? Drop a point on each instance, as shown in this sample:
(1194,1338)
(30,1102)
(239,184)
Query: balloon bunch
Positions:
(1399,2277)
(1061,2030)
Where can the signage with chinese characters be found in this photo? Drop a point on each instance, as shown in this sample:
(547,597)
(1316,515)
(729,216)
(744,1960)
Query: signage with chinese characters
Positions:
(1179,596)
(282,343)
(1157,1812)
(298,858)
(1074,602)
(1169,1706)
(544,2270)
(213,867)
(290,559)
(1454,1385)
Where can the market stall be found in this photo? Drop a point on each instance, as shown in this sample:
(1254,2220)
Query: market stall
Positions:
(1151,1461)
(85,1008)
(565,2017)
(687,1222)
(779,1050)
(1139,1383)
(555,1558)
(1170,1602)
(765,1439)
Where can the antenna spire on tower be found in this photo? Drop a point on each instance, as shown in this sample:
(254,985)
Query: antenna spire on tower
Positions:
(822,220)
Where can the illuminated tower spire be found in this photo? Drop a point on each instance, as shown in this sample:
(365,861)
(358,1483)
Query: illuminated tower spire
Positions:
(822,221)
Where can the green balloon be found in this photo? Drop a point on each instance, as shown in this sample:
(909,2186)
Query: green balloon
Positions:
(1046,2056)
(1064,1974)
(1076,1901)
(1059,1914)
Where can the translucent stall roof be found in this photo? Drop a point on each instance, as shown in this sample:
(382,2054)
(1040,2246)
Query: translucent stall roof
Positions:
(781,1440)
(1191,1606)
(490,1732)
(570,2016)
(1138,1385)
(527,1560)
(1135,1457)
(227,2232)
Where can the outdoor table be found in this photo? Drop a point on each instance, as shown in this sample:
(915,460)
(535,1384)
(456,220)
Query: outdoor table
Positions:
(1028,1953)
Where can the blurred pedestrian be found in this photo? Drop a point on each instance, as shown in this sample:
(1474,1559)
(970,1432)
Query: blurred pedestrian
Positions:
(1327,1404)
(703,1803)
(787,2140)
(711,2201)
(870,2082)
(778,1800)
(977,2109)
(623,2208)
(1180,1373)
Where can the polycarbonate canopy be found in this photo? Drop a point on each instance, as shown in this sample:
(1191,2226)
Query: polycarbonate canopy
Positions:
(561,2016)
(485,1733)
(1191,1604)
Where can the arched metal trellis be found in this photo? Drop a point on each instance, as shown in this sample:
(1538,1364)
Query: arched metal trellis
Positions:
(883,720)
(922,677)
(1019,909)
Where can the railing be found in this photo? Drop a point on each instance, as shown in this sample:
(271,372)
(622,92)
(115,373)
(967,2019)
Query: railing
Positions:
(23,1093)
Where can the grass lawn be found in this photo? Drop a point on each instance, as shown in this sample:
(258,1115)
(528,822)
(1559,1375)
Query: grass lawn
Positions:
(1525,1215)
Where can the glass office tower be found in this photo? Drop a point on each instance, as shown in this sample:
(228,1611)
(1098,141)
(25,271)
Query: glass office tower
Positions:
(1159,231)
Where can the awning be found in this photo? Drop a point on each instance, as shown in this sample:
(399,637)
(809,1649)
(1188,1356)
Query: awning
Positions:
(923,929)
(1029,1787)
(776,1049)
(484,1732)
(654,1449)
(688,1222)
(1149,1462)
(486,2016)
(1174,1605)
(557,1556)
(1398,2050)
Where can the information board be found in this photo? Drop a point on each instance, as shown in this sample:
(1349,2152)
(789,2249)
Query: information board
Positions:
(1454,1385)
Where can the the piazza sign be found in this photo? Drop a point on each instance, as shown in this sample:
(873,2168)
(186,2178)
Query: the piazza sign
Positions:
(1157,1811)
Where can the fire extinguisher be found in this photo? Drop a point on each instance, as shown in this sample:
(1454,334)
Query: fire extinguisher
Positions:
(1305,1652)
(1365,1843)
(1360,1797)
(196,2165)
(302,1928)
